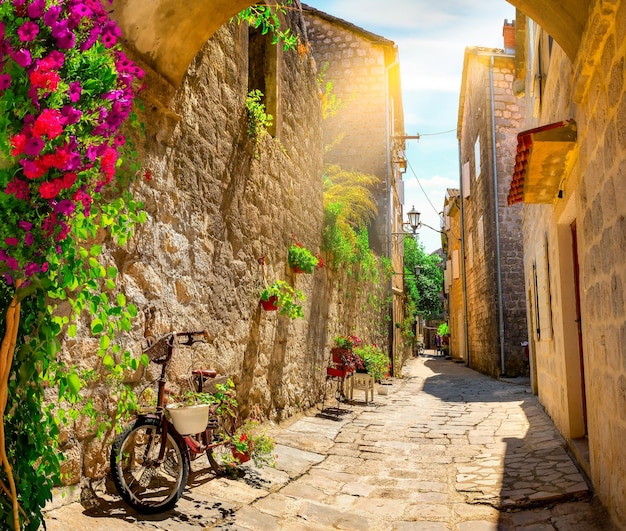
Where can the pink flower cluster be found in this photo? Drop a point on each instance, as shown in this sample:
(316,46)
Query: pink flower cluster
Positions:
(66,145)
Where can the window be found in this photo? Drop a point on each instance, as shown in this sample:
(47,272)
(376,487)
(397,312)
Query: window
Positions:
(477,157)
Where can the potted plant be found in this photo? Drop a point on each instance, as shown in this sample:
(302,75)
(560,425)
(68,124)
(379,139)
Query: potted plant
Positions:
(284,298)
(190,412)
(248,443)
(301,259)
(376,362)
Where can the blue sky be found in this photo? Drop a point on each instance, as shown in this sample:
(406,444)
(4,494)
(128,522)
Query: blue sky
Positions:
(431,38)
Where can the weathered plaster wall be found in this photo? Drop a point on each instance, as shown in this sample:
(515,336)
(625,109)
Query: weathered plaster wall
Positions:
(213,211)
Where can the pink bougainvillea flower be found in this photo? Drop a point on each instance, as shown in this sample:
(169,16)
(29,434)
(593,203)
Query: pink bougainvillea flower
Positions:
(5,81)
(11,241)
(18,142)
(17,188)
(25,225)
(33,169)
(28,31)
(48,123)
(45,79)
(29,239)
(12,263)
(49,190)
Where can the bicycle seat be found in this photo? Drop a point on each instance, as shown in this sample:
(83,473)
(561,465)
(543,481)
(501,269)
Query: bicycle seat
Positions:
(205,373)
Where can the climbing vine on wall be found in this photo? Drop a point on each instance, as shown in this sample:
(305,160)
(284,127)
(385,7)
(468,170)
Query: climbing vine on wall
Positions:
(66,89)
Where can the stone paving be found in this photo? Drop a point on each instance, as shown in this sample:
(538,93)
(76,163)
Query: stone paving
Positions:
(446,450)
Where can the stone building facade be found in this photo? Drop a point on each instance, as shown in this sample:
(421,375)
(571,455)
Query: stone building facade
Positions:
(453,277)
(365,134)
(489,117)
(220,222)
(569,175)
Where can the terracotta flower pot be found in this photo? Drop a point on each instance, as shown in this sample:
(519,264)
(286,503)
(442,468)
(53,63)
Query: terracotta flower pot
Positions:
(270,304)
(339,354)
(240,456)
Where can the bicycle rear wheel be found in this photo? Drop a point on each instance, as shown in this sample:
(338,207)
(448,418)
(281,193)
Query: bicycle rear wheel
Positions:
(149,484)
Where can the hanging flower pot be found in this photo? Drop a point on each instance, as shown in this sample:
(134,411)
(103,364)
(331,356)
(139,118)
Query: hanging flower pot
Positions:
(189,419)
(270,304)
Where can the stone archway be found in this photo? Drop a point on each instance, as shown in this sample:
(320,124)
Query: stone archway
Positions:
(169,33)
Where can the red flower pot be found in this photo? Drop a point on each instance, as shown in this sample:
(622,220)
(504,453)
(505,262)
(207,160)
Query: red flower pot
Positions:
(296,269)
(339,354)
(333,372)
(239,456)
(270,304)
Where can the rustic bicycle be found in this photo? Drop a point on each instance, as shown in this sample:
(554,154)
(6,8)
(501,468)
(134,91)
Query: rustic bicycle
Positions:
(150,459)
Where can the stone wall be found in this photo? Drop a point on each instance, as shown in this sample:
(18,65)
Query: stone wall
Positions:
(213,211)
(356,137)
(591,90)
(480,215)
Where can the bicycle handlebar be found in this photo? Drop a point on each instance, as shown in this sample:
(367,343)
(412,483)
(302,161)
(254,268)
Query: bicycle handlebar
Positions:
(199,336)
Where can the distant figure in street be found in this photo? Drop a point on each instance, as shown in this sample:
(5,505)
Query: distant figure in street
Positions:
(438,343)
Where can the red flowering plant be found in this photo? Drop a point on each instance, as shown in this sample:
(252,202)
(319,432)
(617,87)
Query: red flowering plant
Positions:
(66,89)
(349,358)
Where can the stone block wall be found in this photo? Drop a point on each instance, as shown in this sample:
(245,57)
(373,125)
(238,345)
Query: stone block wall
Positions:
(214,210)
(592,90)
(479,216)
(356,137)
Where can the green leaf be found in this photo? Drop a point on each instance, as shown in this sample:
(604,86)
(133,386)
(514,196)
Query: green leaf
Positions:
(132,310)
(96,326)
(105,341)
(112,271)
(95,250)
(121,299)
(71,330)
(145,360)
(73,383)
(108,361)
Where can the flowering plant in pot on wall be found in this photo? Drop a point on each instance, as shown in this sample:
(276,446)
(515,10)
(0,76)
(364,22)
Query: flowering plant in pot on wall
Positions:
(284,298)
(301,259)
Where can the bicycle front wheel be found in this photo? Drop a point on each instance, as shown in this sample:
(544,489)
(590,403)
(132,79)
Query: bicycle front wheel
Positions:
(147,483)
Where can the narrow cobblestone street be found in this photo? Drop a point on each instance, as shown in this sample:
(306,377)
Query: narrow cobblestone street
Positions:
(446,449)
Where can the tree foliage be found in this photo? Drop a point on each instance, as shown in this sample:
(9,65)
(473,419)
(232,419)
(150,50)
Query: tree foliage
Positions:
(422,290)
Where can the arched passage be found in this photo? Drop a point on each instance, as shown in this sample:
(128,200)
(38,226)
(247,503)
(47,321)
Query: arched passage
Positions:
(169,33)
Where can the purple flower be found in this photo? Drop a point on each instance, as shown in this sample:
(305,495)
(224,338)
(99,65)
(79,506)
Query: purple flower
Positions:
(52,15)
(80,10)
(5,81)
(56,59)
(29,239)
(19,3)
(71,114)
(67,41)
(36,8)
(65,207)
(31,269)
(33,146)
(59,29)
(11,241)
(28,31)
(22,58)
(75,91)
(25,225)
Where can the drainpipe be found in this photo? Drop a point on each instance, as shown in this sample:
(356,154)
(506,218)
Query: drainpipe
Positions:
(389,131)
(463,271)
(497,220)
